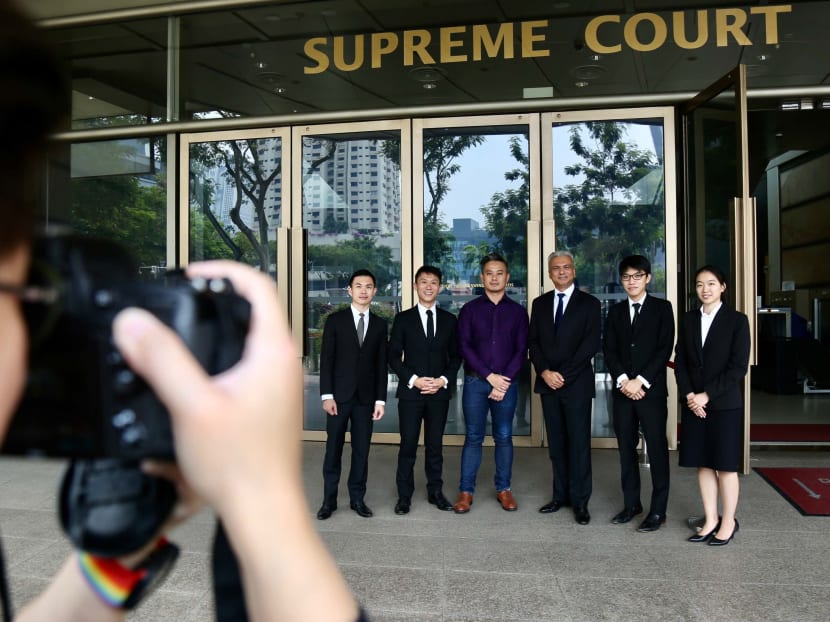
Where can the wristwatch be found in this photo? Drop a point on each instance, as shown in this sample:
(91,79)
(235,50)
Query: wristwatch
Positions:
(122,587)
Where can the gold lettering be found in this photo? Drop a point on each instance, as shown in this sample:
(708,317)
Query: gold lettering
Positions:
(339,54)
(504,38)
(724,26)
(770,14)
(382,43)
(679,26)
(592,38)
(310,49)
(447,44)
(528,38)
(416,42)
(660,32)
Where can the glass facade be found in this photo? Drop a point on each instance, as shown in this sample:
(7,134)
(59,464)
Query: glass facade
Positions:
(250,68)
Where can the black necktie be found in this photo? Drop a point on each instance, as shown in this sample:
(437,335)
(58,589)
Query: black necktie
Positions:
(430,325)
(361,328)
(560,309)
(636,306)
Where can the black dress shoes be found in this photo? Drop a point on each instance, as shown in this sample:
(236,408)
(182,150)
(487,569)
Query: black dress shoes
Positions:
(581,515)
(440,501)
(553,506)
(652,523)
(361,508)
(626,515)
(401,507)
(326,510)
(715,541)
(703,537)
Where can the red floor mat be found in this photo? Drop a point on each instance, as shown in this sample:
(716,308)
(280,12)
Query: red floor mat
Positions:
(816,432)
(807,490)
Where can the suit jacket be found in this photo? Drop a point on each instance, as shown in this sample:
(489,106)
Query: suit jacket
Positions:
(568,350)
(410,352)
(718,367)
(643,351)
(347,370)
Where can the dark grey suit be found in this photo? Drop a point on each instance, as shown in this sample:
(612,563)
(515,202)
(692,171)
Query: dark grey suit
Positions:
(357,378)
(567,411)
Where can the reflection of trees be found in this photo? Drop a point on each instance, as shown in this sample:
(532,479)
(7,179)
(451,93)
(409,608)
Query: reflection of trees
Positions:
(362,251)
(252,178)
(119,208)
(616,209)
(440,154)
(505,217)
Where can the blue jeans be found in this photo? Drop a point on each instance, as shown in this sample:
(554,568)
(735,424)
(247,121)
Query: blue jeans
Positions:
(475,405)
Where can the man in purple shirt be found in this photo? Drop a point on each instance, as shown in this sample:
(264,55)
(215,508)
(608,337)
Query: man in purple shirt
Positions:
(492,334)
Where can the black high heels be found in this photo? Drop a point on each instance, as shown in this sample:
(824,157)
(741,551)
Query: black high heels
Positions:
(715,541)
(703,537)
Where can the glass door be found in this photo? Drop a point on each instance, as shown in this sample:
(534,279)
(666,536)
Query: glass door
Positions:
(476,190)
(605,176)
(351,211)
(718,213)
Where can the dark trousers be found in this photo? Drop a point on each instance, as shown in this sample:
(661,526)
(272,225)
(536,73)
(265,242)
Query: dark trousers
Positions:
(650,414)
(359,417)
(227,582)
(434,415)
(568,427)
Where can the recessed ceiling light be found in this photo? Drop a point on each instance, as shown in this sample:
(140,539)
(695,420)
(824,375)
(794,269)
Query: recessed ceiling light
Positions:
(429,85)
(763,57)
(779,134)
(595,57)
(581,84)
(280,90)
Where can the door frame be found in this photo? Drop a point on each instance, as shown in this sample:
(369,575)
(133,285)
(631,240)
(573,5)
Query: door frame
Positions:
(742,217)
(667,114)
(531,121)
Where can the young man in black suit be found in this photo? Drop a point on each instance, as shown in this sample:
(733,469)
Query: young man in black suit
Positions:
(423,352)
(639,336)
(564,337)
(353,389)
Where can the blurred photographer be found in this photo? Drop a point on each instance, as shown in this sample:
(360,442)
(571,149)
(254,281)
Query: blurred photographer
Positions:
(234,449)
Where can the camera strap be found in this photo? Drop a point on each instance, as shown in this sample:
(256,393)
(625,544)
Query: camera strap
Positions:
(5,599)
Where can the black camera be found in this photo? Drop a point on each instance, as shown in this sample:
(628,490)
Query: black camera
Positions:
(81,399)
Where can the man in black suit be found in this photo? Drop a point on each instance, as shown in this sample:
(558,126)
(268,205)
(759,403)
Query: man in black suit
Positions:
(423,352)
(353,389)
(564,336)
(639,336)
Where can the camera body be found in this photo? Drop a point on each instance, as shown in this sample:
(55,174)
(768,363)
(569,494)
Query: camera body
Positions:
(81,399)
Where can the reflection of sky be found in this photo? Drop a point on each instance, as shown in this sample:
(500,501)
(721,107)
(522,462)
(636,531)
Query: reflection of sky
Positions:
(483,167)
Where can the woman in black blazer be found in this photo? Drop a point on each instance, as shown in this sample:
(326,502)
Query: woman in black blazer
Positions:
(712,357)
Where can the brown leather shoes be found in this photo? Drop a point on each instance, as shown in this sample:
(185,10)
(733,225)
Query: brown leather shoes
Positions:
(507,501)
(463,503)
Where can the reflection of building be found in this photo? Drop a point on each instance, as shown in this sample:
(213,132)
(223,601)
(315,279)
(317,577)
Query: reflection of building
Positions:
(356,187)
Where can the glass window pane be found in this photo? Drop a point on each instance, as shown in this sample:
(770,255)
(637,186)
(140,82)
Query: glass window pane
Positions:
(351,208)
(236,200)
(118,72)
(116,190)
(609,202)
(476,201)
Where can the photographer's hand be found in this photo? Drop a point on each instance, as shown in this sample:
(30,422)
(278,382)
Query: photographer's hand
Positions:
(238,443)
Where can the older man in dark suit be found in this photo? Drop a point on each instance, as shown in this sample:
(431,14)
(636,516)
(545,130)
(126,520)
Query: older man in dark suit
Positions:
(639,336)
(353,382)
(423,352)
(564,337)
